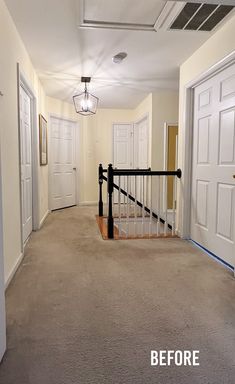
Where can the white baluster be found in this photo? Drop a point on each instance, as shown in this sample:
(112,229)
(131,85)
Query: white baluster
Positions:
(107,201)
(135,208)
(151,209)
(143,211)
(174,202)
(128,207)
(158,204)
(119,204)
(165,205)
(124,211)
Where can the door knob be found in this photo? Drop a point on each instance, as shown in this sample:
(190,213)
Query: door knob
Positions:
(234,176)
(74,168)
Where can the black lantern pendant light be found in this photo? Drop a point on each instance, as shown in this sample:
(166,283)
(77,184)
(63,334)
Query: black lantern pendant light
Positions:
(85,103)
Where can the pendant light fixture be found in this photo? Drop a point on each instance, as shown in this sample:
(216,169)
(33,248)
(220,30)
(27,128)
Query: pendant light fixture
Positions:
(85,103)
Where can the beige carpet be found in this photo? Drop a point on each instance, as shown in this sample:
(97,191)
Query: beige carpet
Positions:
(82,310)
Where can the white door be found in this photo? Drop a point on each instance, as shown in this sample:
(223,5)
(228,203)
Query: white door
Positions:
(62,164)
(131,151)
(213,185)
(123,146)
(26,163)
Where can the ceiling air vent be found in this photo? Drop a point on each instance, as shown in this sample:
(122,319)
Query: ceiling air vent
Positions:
(200,16)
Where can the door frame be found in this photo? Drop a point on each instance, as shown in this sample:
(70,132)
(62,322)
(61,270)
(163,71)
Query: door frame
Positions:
(165,156)
(187,142)
(23,82)
(77,154)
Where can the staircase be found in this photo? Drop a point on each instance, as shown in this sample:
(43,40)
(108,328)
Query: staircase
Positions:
(137,203)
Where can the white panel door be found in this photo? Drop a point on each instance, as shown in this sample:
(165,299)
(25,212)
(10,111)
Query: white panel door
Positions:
(62,164)
(26,163)
(123,146)
(213,185)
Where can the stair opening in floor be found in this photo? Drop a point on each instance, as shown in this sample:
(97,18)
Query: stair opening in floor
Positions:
(137,203)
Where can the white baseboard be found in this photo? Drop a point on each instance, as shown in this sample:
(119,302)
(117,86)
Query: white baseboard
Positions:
(43,219)
(14,269)
(88,203)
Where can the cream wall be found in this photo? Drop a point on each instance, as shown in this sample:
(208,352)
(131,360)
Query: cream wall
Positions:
(13,51)
(95,139)
(145,108)
(165,107)
(98,146)
(94,143)
(220,45)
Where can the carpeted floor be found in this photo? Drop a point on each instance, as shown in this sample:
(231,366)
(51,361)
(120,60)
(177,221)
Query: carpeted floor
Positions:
(82,310)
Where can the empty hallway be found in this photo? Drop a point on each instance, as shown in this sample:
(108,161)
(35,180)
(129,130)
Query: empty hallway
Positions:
(88,311)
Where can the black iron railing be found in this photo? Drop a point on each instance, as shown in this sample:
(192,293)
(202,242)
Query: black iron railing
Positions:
(111,173)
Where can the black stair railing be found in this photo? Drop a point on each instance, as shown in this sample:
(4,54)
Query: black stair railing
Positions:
(111,173)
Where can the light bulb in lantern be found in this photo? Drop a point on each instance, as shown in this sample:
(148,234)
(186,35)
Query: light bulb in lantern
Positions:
(86,104)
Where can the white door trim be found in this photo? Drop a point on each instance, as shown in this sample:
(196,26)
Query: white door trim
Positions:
(187,142)
(25,84)
(77,154)
(165,155)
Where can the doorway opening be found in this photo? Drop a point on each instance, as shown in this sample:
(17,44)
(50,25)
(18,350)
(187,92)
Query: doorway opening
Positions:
(170,164)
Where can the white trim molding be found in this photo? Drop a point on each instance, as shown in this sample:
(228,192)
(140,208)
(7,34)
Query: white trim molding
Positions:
(44,218)
(14,270)
(88,203)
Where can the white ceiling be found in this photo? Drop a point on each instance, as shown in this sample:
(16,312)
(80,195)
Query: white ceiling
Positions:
(62,52)
(125,11)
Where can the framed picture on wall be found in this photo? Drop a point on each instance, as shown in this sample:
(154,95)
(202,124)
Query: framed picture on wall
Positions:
(43,140)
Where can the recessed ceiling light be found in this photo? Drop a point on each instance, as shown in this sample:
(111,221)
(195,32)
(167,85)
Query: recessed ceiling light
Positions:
(117,59)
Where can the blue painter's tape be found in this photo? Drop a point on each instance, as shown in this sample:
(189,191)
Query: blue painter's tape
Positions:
(217,258)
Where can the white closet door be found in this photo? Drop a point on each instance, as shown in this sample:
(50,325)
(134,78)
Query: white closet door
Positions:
(62,164)
(213,185)
(26,163)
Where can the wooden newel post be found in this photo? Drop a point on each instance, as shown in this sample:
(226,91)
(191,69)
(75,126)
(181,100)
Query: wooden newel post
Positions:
(100,190)
(110,201)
